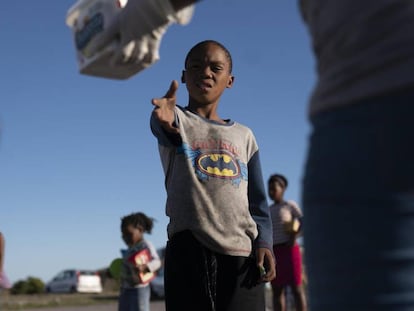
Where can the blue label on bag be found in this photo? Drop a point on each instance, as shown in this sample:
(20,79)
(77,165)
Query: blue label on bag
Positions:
(92,27)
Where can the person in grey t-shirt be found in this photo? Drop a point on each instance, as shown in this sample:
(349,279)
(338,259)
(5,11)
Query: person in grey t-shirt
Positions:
(219,252)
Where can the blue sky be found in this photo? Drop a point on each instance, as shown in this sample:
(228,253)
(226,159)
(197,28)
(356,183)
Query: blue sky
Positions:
(76,152)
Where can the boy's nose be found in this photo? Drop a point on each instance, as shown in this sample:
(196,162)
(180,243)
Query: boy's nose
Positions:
(206,71)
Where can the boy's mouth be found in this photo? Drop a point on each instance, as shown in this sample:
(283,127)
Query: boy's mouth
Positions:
(204,86)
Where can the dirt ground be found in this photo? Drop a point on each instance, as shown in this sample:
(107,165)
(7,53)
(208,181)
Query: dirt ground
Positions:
(22,302)
(67,302)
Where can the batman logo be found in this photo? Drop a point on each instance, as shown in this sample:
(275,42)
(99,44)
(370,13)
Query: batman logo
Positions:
(219,165)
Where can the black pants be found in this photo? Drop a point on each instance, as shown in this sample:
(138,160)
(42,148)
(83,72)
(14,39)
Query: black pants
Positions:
(197,279)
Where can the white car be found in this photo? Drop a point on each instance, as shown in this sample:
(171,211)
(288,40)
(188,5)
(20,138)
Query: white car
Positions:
(75,281)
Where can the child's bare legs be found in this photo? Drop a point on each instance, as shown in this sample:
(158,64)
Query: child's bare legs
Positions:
(279,300)
(300,298)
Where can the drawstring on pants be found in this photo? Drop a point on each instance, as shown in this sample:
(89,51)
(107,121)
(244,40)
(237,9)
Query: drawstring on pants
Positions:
(210,276)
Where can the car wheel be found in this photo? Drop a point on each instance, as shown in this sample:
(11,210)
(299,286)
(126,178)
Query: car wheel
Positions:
(73,290)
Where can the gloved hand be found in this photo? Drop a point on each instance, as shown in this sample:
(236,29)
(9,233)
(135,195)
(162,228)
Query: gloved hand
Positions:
(143,51)
(139,27)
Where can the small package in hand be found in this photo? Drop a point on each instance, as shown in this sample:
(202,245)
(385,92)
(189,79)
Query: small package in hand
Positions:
(87,18)
(141,258)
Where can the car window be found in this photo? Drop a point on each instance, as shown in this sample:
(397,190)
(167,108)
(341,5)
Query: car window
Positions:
(68,274)
(84,272)
(60,276)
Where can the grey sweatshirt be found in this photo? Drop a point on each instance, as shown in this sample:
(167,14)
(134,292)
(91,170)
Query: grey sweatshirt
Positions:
(214,184)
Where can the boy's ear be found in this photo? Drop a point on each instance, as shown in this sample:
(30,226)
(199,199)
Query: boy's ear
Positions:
(230,81)
(182,76)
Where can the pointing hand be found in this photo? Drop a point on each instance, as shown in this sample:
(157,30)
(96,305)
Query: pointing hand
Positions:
(164,110)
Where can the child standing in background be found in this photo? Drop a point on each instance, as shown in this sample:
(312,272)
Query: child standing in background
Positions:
(4,281)
(287,221)
(135,291)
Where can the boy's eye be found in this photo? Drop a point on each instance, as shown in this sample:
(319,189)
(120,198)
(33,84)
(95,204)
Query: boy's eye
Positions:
(214,68)
(194,67)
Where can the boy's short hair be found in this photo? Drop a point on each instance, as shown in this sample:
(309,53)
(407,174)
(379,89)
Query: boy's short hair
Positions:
(205,42)
(278,177)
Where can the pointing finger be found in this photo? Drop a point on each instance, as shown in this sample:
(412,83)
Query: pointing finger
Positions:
(172,90)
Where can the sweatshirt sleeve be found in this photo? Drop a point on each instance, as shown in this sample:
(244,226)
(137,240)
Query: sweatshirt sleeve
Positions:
(258,206)
(155,263)
(164,138)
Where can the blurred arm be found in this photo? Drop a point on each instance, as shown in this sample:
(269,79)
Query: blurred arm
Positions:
(139,28)
(180,4)
(2,247)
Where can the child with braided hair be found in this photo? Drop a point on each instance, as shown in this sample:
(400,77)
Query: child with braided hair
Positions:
(140,261)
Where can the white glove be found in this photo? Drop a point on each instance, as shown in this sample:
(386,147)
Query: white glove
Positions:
(143,51)
(139,27)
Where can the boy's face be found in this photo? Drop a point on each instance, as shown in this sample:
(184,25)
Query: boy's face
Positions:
(207,74)
(276,191)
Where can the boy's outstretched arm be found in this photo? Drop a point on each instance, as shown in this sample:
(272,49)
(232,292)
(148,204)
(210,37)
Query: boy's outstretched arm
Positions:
(164,110)
(139,29)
